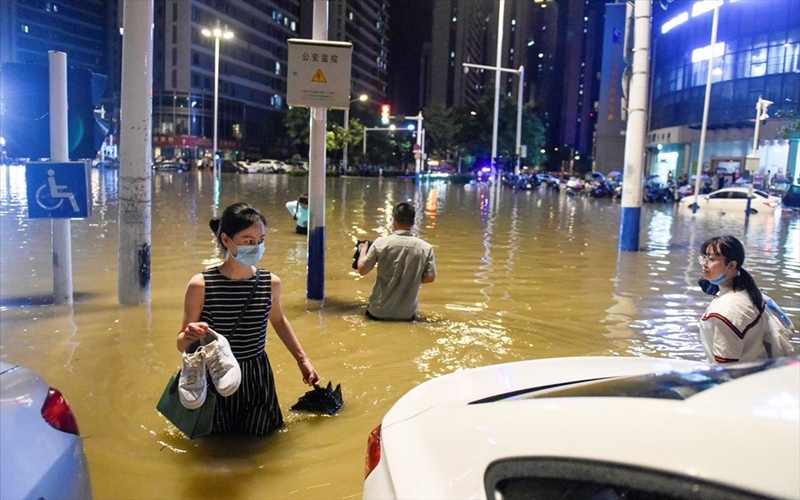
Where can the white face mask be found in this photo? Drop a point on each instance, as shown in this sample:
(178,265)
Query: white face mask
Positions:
(249,255)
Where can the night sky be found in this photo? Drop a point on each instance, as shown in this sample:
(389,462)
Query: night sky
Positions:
(409,29)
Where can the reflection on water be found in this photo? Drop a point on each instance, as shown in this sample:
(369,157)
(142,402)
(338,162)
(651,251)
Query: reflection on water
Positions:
(521,275)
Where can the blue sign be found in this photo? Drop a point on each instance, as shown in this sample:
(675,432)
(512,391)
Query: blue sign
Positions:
(58,190)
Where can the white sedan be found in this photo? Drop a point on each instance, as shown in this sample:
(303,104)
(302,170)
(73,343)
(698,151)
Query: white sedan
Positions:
(732,200)
(269,166)
(593,427)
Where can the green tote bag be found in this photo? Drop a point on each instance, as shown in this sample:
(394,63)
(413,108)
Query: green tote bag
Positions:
(194,423)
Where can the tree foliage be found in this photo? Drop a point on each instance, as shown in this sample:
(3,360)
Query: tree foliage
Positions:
(441,132)
(450,134)
(476,131)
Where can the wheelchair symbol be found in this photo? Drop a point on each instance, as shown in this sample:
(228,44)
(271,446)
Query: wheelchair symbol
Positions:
(50,195)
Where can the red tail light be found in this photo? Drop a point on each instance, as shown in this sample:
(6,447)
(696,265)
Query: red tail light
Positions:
(373,450)
(56,412)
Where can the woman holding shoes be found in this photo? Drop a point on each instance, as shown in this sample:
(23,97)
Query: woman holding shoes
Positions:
(236,300)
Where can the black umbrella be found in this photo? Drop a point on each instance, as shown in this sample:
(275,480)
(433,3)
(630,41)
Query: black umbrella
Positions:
(319,400)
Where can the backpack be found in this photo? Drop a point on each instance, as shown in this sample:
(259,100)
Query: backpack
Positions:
(779,332)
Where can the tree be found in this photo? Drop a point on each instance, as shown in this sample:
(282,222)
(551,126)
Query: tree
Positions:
(476,130)
(441,131)
(297,126)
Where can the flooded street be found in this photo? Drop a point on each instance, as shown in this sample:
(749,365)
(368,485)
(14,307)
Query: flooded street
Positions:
(525,275)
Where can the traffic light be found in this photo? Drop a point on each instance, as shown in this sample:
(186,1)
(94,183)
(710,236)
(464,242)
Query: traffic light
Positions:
(25,90)
(386,111)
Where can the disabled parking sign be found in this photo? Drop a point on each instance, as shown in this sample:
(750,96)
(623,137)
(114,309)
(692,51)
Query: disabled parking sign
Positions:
(58,190)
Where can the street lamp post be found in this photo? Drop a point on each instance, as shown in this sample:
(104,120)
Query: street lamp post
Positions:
(217,33)
(362,98)
(521,73)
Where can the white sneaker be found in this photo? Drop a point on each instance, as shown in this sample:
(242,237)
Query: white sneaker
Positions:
(222,365)
(192,381)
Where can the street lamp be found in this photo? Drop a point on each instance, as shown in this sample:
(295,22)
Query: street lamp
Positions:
(362,98)
(521,73)
(217,33)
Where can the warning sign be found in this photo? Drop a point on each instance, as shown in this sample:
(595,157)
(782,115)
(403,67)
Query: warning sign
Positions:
(319,77)
(318,73)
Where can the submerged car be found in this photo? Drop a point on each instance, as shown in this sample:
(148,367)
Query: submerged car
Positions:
(41,455)
(791,198)
(171,166)
(779,185)
(593,427)
(270,166)
(732,200)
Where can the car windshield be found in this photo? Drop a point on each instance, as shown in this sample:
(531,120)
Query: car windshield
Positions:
(668,385)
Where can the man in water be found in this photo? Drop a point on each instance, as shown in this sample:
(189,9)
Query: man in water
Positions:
(299,210)
(404,261)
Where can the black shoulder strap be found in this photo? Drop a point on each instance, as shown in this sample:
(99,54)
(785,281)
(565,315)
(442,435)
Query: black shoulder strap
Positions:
(247,303)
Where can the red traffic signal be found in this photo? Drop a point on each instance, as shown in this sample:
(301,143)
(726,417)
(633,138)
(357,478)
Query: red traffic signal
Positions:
(386,111)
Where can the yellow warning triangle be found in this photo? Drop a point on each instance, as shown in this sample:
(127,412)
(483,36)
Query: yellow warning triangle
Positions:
(319,77)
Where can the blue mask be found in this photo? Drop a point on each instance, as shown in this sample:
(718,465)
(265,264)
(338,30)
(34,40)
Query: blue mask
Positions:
(718,281)
(249,255)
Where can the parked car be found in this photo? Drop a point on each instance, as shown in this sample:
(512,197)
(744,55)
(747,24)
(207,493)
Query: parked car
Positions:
(105,163)
(269,166)
(41,455)
(171,166)
(593,427)
(230,166)
(732,200)
(791,198)
(247,167)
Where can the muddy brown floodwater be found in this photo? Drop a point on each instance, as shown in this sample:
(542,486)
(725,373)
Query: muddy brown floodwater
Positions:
(525,275)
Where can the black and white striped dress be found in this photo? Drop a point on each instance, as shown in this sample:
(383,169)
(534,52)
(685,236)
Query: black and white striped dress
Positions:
(254,408)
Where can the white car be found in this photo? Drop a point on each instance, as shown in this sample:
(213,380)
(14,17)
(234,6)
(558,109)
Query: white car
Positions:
(247,167)
(41,451)
(269,166)
(593,427)
(732,200)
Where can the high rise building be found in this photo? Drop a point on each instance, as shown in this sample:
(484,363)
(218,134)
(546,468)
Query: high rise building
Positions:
(252,76)
(364,23)
(29,30)
(555,40)
(756,56)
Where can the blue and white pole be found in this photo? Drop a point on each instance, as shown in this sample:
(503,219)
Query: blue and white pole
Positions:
(637,129)
(315,283)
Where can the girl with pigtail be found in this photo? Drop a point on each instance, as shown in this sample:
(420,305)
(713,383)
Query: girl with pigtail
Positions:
(735,326)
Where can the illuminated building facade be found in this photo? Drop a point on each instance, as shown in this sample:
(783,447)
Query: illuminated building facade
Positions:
(756,55)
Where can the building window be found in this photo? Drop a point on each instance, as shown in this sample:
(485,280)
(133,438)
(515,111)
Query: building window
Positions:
(24,28)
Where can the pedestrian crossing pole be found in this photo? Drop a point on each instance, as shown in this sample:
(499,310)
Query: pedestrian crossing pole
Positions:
(636,130)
